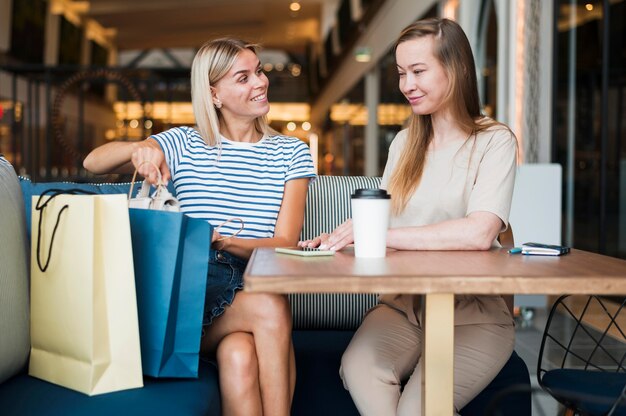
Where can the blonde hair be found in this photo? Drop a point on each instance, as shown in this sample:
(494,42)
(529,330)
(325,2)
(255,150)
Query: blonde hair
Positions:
(453,51)
(211,63)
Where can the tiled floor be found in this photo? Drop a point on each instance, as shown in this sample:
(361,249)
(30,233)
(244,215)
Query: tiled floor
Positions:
(527,342)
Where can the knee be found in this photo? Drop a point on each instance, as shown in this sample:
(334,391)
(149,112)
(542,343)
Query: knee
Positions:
(356,365)
(236,356)
(363,363)
(274,313)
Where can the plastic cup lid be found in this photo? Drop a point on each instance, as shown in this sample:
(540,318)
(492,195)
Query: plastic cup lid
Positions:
(370,194)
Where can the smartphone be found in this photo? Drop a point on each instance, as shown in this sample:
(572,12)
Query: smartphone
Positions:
(304,251)
(541,249)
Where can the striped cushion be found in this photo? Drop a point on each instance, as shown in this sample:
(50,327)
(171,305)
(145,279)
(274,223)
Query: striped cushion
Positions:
(328,205)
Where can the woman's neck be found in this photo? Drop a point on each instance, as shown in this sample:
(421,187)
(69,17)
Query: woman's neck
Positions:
(240,131)
(446,129)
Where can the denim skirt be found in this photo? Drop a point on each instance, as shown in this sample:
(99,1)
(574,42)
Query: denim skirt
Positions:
(225,278)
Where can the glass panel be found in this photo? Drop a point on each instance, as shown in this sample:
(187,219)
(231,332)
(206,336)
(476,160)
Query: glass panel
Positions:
(616,124)
(346,24)
(490,68)
(99,54)
(579,123)
(344,150)
(27,30)
(70,39)
(576,109)
(389,94)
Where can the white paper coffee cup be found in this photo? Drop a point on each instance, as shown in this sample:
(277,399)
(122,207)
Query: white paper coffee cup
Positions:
(370,221)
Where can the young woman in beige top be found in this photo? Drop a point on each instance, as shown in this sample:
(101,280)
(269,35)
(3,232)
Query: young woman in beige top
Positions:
(450,176)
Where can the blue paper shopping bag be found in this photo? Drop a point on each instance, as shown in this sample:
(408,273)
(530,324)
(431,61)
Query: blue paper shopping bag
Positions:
(171,257)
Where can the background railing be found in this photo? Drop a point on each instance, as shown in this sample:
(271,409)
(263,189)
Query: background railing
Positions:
(55,115)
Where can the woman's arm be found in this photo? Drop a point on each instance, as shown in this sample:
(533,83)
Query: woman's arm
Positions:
(477,231)
(125,157)
(113,157)
(288,224)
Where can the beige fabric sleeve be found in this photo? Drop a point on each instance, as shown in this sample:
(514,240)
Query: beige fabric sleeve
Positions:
(493,188)
(392,157)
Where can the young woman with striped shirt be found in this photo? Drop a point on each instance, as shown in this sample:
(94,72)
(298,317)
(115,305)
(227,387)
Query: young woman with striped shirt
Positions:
(233,166)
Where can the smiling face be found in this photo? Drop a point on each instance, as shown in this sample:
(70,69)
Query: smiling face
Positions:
(423,79)
(242,92)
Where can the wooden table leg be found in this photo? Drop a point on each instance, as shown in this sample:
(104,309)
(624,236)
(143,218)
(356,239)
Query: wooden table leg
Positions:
(438,355)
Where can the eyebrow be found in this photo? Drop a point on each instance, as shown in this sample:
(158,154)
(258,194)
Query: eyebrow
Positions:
(412,65)
(245,71)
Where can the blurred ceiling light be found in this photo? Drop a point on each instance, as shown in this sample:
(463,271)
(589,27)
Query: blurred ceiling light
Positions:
(17,113)
(96,32)
(306,126)
(294,6)
(148,124)
(279,66)
(267,67)
(182,112)
(589,6)
(290,112)
(109,134)
(450,9)
(133,124)
(291,126)
(356,114)
(72,11)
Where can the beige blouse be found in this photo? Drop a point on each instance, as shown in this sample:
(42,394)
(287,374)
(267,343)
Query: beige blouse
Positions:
(458,179)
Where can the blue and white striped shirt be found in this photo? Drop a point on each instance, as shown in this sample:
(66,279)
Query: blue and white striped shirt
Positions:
(247,182)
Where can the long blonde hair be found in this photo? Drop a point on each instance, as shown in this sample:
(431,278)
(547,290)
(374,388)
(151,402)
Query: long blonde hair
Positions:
(211,63)
(453,51)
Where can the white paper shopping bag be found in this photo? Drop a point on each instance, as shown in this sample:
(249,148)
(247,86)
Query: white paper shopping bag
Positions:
(84,327)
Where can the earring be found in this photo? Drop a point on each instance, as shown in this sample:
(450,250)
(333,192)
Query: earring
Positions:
(218,104)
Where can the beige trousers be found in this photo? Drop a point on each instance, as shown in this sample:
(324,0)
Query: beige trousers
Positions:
(382,368)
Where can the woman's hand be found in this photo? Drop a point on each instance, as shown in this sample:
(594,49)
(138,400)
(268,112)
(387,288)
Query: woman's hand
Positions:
(147,157)
(338,239)
(217,241)
(315,242)
(216,236)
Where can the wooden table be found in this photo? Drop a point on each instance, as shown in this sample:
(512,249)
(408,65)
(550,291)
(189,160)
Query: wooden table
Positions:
(438,275)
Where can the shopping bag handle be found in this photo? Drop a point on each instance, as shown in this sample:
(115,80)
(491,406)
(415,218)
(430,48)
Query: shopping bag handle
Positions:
(40,207)
(235,234)
(144,192)
(144,188)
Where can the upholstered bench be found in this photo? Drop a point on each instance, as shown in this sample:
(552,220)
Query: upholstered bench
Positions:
(323,327)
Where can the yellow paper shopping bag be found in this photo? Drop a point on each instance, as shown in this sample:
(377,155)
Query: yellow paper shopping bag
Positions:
(84,329)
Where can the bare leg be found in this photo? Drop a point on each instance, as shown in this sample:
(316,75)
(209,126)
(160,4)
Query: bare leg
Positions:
(239,375)
(268,319)
(292,372)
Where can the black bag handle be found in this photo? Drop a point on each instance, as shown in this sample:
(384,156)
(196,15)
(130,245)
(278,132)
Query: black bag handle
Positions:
(40,207)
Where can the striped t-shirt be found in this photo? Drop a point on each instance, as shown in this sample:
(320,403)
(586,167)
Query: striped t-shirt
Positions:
(247,182)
